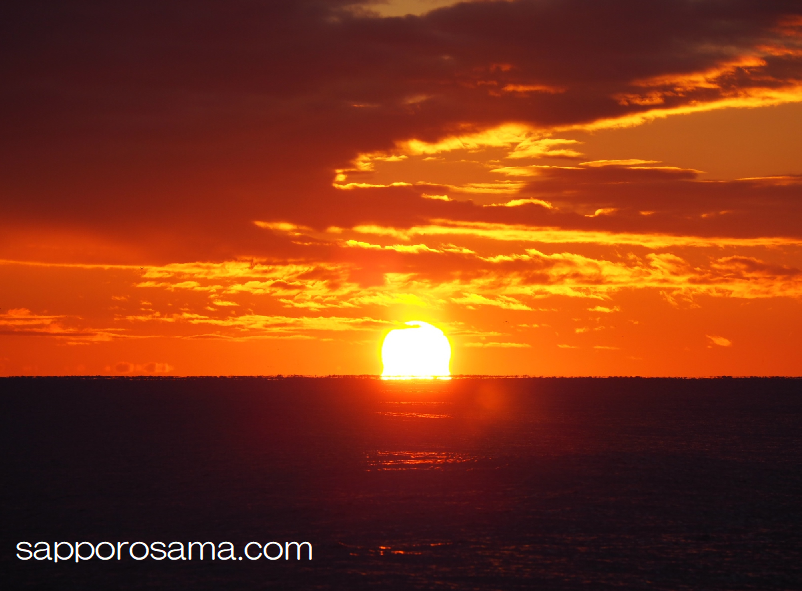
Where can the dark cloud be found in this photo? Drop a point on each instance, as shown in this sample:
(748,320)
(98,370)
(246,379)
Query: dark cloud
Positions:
(172,126)
(632,199)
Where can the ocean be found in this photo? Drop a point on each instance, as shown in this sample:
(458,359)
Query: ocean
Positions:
(471,483)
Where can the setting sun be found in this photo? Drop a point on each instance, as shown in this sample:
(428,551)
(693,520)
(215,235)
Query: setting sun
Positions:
(420,351)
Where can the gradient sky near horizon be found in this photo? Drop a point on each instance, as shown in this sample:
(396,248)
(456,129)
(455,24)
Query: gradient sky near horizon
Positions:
(564,187)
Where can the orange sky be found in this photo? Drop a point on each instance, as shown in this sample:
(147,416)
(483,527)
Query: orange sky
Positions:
(563,187)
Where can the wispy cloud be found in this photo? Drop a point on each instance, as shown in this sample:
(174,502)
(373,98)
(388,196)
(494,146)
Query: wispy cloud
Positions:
(720,341)
(498,345)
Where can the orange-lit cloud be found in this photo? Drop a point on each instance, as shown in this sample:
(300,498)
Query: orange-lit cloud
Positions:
(22,322)
(495,345)
(720,341)
(519,233)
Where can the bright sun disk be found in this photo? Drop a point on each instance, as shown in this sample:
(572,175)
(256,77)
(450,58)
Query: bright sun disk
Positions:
(420,351)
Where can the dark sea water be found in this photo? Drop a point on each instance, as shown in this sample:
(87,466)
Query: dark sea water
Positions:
(468,484)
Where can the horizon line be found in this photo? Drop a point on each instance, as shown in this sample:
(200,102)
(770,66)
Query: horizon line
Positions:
(379,377)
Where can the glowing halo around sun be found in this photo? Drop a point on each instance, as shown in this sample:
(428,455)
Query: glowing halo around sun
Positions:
(421,351)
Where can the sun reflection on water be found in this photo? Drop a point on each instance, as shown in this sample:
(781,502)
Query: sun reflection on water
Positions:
(407,412)
(417,460)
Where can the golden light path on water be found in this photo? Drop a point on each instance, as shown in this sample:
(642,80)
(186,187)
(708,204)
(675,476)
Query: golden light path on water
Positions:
(420,351)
